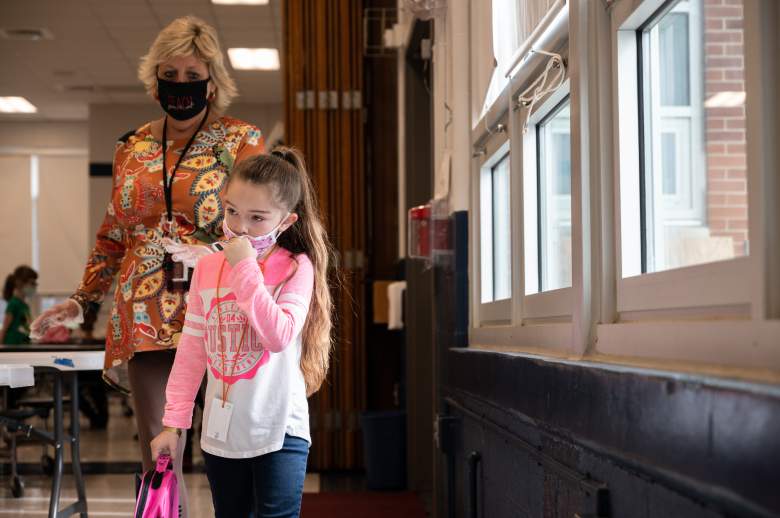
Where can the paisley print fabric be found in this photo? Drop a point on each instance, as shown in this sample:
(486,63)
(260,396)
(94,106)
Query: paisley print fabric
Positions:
(145,315)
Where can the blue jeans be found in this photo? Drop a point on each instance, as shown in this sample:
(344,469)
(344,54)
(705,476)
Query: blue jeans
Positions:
(268,486)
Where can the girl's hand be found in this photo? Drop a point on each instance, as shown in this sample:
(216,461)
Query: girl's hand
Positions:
(166,442)
(237,249)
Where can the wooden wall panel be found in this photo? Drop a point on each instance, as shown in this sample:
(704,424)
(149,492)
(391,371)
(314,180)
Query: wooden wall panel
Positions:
(323,64)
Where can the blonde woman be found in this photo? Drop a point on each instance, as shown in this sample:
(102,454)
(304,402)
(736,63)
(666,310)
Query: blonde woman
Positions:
(167,178)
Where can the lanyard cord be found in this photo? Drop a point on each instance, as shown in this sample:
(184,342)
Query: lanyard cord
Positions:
(222,350)
(168,181)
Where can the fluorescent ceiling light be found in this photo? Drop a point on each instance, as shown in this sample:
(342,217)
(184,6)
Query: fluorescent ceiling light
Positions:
(16,105)
(254,59)
(725,100)
(240,2)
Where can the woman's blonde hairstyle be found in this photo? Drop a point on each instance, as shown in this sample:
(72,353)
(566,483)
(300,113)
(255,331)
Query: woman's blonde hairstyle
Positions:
(190,36)
(285,171)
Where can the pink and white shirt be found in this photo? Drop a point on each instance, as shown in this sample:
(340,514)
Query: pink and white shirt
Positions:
(267,388)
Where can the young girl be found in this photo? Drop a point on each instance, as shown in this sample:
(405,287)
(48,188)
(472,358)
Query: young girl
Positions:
(258,323)
(19,288)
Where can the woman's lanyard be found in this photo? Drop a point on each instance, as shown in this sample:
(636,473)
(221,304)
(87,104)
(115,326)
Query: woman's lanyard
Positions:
(168,265)
(220,344)
(168,180)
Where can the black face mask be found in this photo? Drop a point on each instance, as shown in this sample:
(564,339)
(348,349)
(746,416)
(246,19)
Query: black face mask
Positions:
(182,101)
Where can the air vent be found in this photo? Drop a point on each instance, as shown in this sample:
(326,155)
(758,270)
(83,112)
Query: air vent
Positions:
(26,34)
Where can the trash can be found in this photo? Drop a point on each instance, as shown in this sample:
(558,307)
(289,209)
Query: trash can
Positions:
(384,445)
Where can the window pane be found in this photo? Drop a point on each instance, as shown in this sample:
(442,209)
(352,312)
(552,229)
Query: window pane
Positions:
(674,68)
(496,244)
(502,250)
(694,164)
(554,194)
(669,163)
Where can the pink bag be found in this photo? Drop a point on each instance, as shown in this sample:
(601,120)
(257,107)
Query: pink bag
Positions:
(158,496)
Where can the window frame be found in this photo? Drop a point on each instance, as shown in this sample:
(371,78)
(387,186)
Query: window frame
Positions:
(686,287)
(642,320)
(557,303)
(494,149)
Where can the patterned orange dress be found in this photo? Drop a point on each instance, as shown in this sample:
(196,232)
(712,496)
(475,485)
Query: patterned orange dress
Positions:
(145,315)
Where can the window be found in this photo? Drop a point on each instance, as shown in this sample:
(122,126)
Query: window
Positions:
(492,189)
(553,142)
(693,189)
(495,232)
(547,200)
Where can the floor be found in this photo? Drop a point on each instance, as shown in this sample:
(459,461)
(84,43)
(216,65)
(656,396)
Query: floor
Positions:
(110,459)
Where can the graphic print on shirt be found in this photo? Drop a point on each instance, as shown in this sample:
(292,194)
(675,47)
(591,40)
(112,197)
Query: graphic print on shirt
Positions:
(238,365)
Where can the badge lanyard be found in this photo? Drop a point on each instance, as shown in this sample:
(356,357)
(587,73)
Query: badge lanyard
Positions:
(168,187)
(222,350)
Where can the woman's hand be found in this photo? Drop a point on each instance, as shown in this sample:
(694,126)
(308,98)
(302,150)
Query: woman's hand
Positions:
(238,249)
(166,442)
(66,313)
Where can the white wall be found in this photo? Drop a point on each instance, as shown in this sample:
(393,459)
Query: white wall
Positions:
(62,204)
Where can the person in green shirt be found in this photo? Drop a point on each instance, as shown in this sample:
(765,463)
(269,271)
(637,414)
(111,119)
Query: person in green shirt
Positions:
(19,288)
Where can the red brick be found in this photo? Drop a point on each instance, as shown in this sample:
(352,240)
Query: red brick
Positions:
(735,75)
(736,149)
(736,199)
(723,86)
(715,149)
(735,123)
(724,12)
(737,174)
(715,49)
(731,111)
(721,186)
(713,2)
(716,174)
(716,200)
(715,75)
(716,124)
(717,225)
(715,24)
(738,3)
(727,212)
(724,62)
(735,49)
(723,37)
(734,23)
(738,224)
(727,161)
(732,136)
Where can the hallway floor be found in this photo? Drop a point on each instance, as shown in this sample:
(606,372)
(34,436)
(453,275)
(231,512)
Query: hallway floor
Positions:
(115,449)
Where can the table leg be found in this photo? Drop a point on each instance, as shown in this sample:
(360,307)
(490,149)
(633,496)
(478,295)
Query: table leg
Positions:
(75,427)
(56,484)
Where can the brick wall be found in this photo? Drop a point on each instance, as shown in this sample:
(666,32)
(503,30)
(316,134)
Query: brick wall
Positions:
(727,209)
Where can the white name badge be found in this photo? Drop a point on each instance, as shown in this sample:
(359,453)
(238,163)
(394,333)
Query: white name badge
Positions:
(219,420)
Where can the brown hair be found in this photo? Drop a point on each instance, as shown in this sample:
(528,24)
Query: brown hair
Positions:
(285,171)
(21,276)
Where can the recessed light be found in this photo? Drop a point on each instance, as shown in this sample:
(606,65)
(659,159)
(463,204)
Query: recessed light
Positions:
(16,105)
(254,59)
(725,100)
(240,2)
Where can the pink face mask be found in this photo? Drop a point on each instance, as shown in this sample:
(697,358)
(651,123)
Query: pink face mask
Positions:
(261,244)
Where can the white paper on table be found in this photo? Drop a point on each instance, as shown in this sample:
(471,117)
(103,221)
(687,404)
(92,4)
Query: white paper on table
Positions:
(16,376)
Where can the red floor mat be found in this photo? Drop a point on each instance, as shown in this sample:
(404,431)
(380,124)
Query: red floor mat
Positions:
(362,505)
